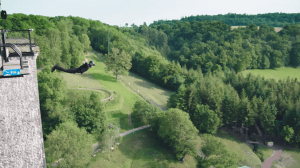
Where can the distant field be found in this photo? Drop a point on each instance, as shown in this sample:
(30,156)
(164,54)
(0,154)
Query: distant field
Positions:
(277,29)
(279,73)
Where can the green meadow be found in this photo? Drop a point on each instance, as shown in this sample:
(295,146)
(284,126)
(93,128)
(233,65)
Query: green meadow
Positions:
(277,74)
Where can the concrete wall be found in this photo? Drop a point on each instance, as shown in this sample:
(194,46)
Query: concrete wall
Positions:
(21,136)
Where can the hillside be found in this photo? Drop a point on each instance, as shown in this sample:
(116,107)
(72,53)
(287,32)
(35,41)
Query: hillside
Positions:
(199,61)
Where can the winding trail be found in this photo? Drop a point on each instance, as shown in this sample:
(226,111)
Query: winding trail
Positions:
(275,156)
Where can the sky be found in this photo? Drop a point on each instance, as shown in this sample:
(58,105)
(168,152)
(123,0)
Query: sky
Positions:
(120,12)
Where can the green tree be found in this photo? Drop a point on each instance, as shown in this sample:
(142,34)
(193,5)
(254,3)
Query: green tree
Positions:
(214,147)
(151,66)
(85,41)
(143,113)
(287,133)
(295,54)
(55,43)
(266,62)
(119,63)
(65,42)
(205,120)
(170,70)
(177,130)
(44,58)
(89,113)
(181,101)
(246,114)
(76,51)
(230,106)
(70,144)
(52,91)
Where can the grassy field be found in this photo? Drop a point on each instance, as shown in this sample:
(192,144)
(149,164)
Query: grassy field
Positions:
(135,151)
(147,89)
(278,73)
(77,93)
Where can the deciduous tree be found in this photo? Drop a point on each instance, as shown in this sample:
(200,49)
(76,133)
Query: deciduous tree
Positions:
(177,130)
(119,63)
(70,144)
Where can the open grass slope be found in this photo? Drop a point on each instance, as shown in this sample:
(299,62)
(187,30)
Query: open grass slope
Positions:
(278,74)
(141,149)
(147,89)
(109,82)
(78,93)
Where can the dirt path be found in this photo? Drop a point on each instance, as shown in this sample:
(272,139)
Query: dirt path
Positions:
(275,156)
(135,129)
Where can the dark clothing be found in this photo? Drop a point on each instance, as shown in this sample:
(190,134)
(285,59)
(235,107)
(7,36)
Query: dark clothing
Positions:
(84,67)
(81,69)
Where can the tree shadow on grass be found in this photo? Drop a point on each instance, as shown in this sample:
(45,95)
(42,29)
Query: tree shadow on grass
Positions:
(144,84)
(228,135)
(100,76)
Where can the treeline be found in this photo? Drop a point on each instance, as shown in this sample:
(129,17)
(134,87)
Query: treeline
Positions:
(213,47)
(216,100)
(233,19)
(71,121)
(71,124)
(204,103)
(60,41)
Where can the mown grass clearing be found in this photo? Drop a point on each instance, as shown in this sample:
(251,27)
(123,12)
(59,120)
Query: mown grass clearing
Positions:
(277,74)
(147,89)
(85,80)
(78,93)
(109,82)
(144,87)
(141,149)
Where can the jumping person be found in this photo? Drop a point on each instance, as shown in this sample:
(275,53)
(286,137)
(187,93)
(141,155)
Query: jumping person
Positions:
(81,69)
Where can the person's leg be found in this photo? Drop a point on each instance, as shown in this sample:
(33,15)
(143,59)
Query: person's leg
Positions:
(72,70)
